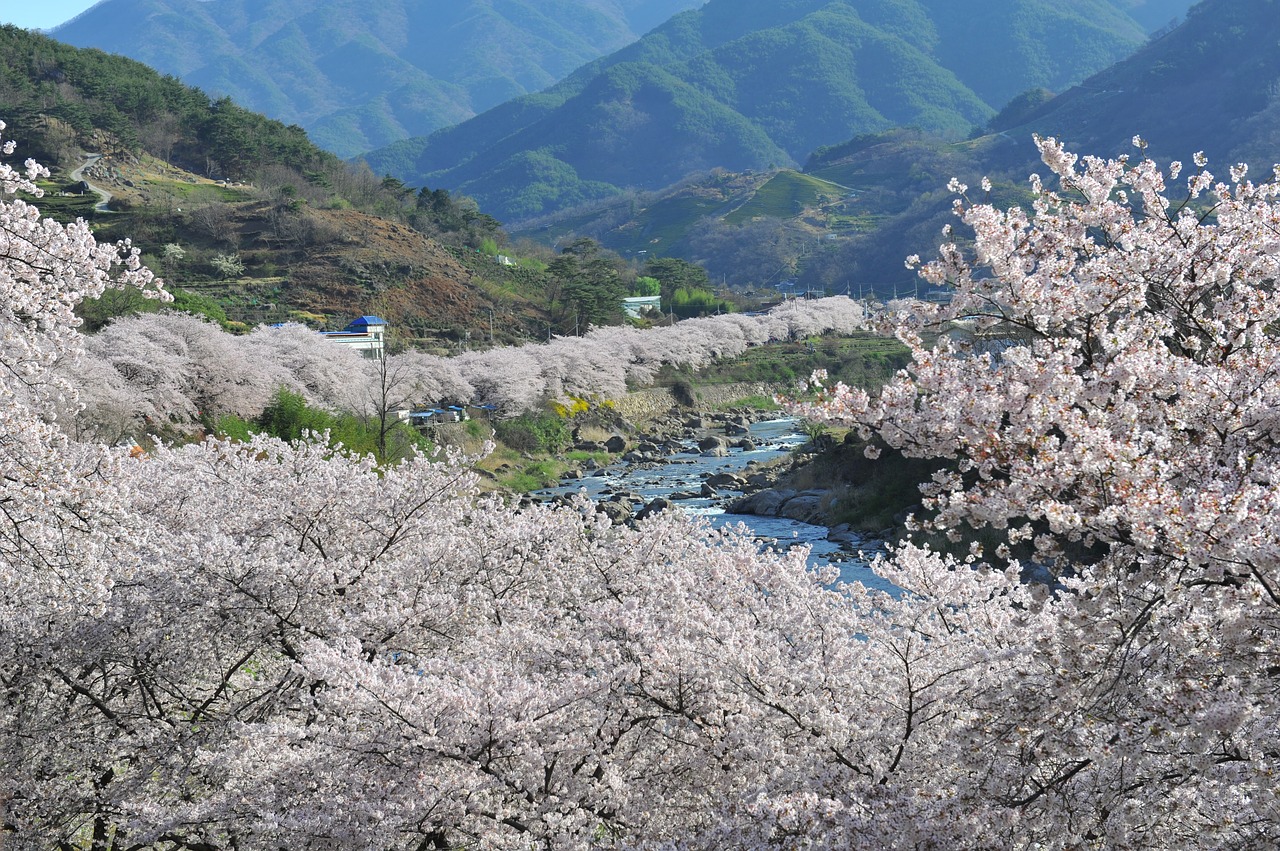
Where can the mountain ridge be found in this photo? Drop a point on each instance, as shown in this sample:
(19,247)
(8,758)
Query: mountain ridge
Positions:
(315,62)
(857,65)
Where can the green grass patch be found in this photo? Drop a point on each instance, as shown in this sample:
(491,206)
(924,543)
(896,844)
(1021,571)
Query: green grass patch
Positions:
(758,403)
(579,456)
(197,193)
(786,195)
(532,477)
(664,223)
(861,360)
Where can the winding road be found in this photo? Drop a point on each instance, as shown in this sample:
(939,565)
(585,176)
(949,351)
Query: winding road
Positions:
(78,175)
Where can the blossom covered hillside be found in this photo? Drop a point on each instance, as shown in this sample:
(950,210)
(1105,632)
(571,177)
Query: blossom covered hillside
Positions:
(271,645)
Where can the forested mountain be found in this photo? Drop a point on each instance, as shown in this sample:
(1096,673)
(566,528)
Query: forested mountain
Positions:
(67,98)
(358,75)
(1155,14)
(749,83)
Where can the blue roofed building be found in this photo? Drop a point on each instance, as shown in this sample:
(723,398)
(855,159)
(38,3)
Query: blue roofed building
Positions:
(367,335)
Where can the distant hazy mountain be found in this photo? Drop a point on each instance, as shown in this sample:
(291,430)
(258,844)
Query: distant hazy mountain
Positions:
(358,74)
(1156,14)
(744,84)
(1212,85)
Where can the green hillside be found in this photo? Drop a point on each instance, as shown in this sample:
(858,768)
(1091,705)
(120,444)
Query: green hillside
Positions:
(1212,84)
(750,84)
(245,218)
(358,75)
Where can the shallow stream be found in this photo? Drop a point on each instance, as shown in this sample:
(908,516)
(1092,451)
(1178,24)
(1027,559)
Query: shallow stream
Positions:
(686,471)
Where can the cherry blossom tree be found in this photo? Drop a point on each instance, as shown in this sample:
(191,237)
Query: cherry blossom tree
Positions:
(1123,437)
(54,531)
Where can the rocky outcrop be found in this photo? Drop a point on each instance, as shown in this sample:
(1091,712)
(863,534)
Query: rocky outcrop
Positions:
(807,506)
(618,513)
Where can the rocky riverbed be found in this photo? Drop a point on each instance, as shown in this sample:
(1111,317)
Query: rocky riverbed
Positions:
(725,467)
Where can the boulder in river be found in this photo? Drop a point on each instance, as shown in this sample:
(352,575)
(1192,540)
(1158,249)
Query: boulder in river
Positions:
(730,481)
(844,534)
(711,441)
(617,512)
(657,505)
(766,503)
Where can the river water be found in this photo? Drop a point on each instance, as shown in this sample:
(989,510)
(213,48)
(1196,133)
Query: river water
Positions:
(685,471)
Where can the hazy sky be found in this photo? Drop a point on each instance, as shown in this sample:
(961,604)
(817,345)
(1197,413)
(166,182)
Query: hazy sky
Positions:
(40,14)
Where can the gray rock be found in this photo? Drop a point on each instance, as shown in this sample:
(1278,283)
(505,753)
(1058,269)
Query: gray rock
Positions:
(616,444)
(711,441)
(843,534)
(659,504)
(731,481)
(803,507)
(766,503)
(617,513)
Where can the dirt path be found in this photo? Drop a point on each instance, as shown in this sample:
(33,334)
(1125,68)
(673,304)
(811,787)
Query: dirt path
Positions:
(103,194)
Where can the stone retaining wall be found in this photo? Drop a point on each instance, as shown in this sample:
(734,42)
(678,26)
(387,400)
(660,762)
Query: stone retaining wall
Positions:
(642,405)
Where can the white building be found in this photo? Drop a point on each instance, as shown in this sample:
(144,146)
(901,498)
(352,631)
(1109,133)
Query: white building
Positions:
(636,305)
